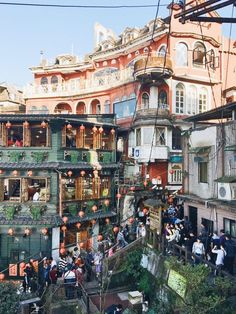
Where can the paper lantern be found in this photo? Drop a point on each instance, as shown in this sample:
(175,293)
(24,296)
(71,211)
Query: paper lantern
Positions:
(113,131)
(43,124)
(8,125)
(131,220)
(15,173)
(145,183)
(116,229)
(132,188)
(100,129)
(69,173)
(44,231)
(65,219)
(107,220)
(30,173)
(171,171)
(26,124)
(2,276)
(94,208)
(64,228)
(100,237)
(81,245)
(158,178)
(69,126)
(106,202)
(118,195)
(82,173)
(82,127)
(145,210)
(62,251)
(78,225)
(81,214)
(10,231)
(27,231)
(94,129)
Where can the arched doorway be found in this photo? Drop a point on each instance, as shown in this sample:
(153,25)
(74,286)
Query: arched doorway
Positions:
(80,108)
(95,107)
(63,108)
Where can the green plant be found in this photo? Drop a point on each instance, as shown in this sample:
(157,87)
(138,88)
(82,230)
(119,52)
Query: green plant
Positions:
(15,156)
(36,212)
(9,299)
(73,209)
(39,156)
(10,212)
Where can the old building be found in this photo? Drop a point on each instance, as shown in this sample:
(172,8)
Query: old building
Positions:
(56,183)
(11,99)
(210,170)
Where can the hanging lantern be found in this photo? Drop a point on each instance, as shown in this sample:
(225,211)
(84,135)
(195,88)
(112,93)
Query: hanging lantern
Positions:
(93,222)
(145,183)
(131,220)
(81,214)
(44,231)
(132,188)
(158,178)
(78,225)
(82,127)
(10,231)
(171,171)
(99,167)
(26,124)
(94,129)
(69,126)
(107,220)
(15,173)
(118,195)
(116,229)
(170,200)
(65,219)
(82,173)
(94,208)
(8,125)
(27,231)
(95,172)
(64,228)
(69,173)
(100,237)
(30,173)
(106,203)
(1,171)
(145,210)
(43,125)
(113,131)
(2,276)
(100,129)
(81,245)
(62,251)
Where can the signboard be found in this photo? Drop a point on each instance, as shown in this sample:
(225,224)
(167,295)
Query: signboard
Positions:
(155,218)
(12,270)
(177,283)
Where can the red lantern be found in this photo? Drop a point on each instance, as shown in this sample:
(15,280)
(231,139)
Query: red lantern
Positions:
(81,214)
(145,210)
(8,125)
(63,228)
(93,222)
(132,188)
(100,129)
(65,219)
(15,173)
(94,129)
(81,245)
(131,220)
(94,208)
(63,251)
(82,127)
(78,225)
(27,231)
(113,131)
(170,200)
(26,124)
(118,195)
(100,237)
(171,171)
(43,125)
(158,178)
(2,276)
(145,183)
(10,231)
(30,173)
(1,171)
(106,203)
(44,231)
(69,173)
(69,126)
(107,220)
(116,229)
(82,173)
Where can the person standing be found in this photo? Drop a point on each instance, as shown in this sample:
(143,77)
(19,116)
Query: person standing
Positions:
(198,250)
(230,249)
(221,253)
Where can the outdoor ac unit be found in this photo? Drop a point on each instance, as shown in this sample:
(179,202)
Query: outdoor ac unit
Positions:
(226,191)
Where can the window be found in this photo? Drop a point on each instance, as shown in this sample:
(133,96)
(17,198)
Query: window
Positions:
(191,100)
(107,106)
(181,55)
(54,79)
(203,172)
(15,136)
(162,100)
(138,137)
(176,174)
(202,101)
(199,54)
(44,81)
(147,135)
(180,98)
(145,101)
(39,136)
(230,227)
(162,51)
(160,136)
(176,139)
(68,189)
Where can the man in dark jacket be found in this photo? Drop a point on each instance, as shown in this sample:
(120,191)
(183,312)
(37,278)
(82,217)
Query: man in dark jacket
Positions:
(230,248)
(114,309)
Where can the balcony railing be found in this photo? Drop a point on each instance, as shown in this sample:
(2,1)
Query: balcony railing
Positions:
(94,84)
(153,67)
(152,113)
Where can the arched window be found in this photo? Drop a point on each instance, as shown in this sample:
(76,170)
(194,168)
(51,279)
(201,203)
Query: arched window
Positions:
(191,100)
(162,51)
(180,98)
(182,55)
(202,100)
(145,101)
(44,81)
(107,106)
(199,54)
(54,79)
(176,138)
(44,110)
(162,100)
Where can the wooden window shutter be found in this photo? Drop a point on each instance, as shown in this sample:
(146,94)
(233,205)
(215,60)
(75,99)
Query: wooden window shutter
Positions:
(48,137)
(63,137)
(1,189)
(79,188)
(112,141)
(80,138)
(24,190)
(4,134)
(95,140)
(26,137)
(96,187)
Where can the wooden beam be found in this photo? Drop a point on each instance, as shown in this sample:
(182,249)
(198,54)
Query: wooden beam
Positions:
(197,7)
(213,19)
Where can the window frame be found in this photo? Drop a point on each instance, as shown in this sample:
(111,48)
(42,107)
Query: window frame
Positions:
(203,172)
(230,221)
(199,48)
(180,62)
(159,135)
(180,100)
(138,137)
(145,100)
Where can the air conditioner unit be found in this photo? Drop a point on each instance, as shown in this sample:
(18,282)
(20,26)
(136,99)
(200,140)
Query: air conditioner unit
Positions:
(226,191)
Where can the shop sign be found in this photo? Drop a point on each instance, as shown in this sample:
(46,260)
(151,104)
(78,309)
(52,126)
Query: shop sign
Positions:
(12,270)
(155,218)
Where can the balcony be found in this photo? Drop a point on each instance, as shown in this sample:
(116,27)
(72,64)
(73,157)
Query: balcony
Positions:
(80,87)
(149,68)
(142,153)
(152,114)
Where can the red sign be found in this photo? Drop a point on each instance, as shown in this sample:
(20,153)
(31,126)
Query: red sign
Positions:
(12,270)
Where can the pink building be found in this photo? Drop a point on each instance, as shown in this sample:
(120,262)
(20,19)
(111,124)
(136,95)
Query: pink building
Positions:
(151,78)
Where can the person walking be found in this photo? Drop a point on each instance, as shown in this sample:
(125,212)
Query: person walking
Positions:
(198,250)
(221,253)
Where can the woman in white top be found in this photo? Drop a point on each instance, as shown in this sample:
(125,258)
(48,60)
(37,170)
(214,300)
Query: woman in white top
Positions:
(221,253)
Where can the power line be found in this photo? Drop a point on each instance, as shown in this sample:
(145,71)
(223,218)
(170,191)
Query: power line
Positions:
(141,6)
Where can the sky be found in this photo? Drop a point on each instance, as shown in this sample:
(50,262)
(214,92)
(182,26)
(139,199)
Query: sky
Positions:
(26,31)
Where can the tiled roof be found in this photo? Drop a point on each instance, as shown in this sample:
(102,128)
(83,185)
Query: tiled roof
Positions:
(45,220)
